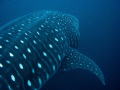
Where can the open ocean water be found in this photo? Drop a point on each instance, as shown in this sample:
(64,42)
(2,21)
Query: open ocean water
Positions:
(99,25)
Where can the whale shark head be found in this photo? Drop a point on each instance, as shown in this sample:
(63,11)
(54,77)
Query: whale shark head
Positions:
(67,23)
(34,47)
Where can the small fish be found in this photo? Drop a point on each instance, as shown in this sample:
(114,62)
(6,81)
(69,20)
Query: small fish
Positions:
(34,47)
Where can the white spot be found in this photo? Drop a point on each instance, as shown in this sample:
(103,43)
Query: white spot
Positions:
(25,38)
(40,81)
(38,33)
(1,65)
(59,57)
(52,21)
(16,25)
(10,33)
(62,38)
(21,66)
(39,65)
(53,67)
(29,83)
(56,39)
(56,30)
(24,56)
(28,50)
(23,25)
(11,55)
(46,33)
(12,77)
(7,40)
(29,20)
(16,47)
(21,41)
(8,62)
(26,34)
(29,31)
(35,36)
(42,26)
(44,54)
(39,28)
(33,71)
(58,23)
(37,17)
(34,41)
(9,87)
(47,76)
(12,27)
(50,46)
(52,31)
(0,46)
(19,30)
(46,21)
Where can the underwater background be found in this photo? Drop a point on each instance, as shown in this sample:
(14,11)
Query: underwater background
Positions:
(99,25)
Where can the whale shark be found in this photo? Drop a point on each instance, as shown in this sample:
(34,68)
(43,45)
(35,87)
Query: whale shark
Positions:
(35,46)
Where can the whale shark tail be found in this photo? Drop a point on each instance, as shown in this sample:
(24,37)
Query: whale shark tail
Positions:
(74,59)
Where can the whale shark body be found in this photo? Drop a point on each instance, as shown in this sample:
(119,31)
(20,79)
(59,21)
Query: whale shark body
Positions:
(34,47)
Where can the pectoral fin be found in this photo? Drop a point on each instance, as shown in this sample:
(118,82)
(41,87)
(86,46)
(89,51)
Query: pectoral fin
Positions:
(74,59)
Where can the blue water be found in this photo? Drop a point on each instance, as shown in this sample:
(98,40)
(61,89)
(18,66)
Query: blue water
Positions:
(99,22)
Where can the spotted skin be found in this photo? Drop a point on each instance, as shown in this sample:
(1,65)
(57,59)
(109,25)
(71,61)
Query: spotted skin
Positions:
(74,59)
(33,47)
